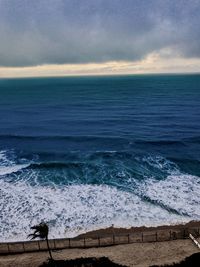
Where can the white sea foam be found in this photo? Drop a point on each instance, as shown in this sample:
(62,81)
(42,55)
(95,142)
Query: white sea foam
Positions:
(12,169)
(73,209)
(162,164)
(180,192)
(8,166)
(3,158)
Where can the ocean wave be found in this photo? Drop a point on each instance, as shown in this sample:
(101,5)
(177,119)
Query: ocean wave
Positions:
(178,192)
(4,170)
(161,142)
(74,209)
(61,137)
(121,169)
(4,158)
(82,138)
(162,164)
(8,165)
(74,197)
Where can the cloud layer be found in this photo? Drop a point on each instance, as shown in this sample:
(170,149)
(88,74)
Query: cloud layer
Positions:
(76,31)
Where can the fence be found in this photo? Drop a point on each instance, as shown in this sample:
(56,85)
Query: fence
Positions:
(98,241)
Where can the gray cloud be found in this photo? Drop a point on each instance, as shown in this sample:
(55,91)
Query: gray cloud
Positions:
(82,31)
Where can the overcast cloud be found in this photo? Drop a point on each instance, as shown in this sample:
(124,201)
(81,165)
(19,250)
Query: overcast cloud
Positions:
(84,31)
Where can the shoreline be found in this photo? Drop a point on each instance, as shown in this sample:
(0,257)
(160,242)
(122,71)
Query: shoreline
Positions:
(106,237)
(142,254)
(136,229)
(108,231)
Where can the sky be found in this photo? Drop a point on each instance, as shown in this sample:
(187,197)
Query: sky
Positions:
(81,37)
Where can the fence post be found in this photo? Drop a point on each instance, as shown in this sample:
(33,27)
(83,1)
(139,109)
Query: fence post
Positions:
(113,239)
(54,241)
(128,238)
(23,246)
(8,247)
(174,235)
(38,245)
(184,233)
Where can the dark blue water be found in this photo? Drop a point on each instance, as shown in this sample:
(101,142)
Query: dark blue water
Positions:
(87,152)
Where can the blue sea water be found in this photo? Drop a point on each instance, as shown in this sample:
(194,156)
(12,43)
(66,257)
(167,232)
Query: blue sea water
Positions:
(87,152)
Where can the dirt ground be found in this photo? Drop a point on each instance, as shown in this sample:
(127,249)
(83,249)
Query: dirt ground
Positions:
(137,254)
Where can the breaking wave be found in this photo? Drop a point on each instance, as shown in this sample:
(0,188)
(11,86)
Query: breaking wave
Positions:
(75,209)
(128,190)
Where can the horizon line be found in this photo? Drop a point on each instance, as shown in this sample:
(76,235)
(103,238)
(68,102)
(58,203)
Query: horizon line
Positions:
(100,75)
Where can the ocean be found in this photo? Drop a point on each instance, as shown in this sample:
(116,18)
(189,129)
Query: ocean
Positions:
(83,153)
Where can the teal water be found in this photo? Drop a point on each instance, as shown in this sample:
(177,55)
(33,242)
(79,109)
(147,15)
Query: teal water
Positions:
(86,152)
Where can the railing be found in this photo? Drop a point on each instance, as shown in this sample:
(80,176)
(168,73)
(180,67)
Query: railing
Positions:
(98,241)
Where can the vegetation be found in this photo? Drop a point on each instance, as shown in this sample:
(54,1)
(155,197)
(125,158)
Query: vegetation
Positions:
(41,231)
(191,261)
(83,262)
